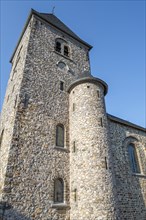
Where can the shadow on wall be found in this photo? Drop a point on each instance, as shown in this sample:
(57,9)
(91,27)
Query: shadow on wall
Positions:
(8,213)
(136,200)
(130,185)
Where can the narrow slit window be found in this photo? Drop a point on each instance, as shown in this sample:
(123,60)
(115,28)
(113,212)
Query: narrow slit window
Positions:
(58,191)
(98,94)
(75,195)
(60,135)
(61,85)
(105,163)
(26,100)
(74,106)
(74,146)
(100,122)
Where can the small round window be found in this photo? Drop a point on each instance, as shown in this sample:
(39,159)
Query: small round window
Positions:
(61,65)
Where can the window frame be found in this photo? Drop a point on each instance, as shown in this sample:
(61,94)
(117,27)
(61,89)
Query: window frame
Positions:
(61,85)
(133,158)
(137,144)
(57,136)
(62,191)
(58,47)
(64,47)
(66,50)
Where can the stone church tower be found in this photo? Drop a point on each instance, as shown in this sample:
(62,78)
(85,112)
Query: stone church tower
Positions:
(56,152)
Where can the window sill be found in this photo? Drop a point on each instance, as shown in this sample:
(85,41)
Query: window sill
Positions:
(59,206)
(61,149)
(63,56)
(139,175)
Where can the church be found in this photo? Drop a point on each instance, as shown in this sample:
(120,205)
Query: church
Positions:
(63,157)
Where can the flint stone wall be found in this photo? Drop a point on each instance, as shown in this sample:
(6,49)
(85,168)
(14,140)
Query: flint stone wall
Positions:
(91,173)
(9,112)
(34,162)
(131,188)
(30,161)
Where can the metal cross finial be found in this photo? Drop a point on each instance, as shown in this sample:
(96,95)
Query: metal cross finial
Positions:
(53,10)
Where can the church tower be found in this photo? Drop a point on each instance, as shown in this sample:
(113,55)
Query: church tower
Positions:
(56,160)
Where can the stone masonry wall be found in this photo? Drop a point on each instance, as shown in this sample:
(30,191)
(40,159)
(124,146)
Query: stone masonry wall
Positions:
(131,187)
(34,160)
(91,176)
(99,184)
(9,110)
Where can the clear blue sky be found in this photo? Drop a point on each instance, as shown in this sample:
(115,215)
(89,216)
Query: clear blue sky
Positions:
(116,29)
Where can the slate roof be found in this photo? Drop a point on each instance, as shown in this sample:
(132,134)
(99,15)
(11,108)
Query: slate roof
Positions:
(124,122)
(87,77)
(54,21)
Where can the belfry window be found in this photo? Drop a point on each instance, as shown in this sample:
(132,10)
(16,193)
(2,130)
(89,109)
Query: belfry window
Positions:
(60,135)
(58,191)
(133,158)
(61,46)
(66,51)
(58,47)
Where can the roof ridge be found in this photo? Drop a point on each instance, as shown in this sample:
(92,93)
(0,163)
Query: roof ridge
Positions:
(126,122)
(57,23)
(63,27)
(46,13)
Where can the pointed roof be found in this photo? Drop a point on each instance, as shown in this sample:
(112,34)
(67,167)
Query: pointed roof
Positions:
(52,19)
(55,22)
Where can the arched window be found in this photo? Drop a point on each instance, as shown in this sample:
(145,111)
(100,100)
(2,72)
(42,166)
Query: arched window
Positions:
(60,135)
(61,46)
(58,191)
(66,51)
(58,46)
(133,158)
